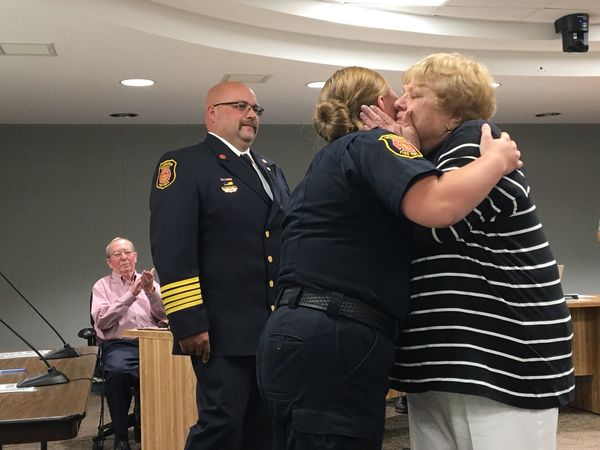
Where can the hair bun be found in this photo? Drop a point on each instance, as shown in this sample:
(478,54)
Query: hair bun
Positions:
(333,119)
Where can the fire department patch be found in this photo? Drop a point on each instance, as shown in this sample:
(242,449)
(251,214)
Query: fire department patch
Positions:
(166,174)
(400,146)
(227,185)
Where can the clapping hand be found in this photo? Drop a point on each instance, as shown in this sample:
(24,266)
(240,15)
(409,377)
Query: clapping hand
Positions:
(147,279)
(145,282)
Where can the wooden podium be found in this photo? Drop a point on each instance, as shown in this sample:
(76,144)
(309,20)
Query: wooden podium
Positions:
(168,391)
(585,314)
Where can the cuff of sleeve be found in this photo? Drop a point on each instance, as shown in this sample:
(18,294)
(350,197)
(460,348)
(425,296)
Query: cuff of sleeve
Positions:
(188,324)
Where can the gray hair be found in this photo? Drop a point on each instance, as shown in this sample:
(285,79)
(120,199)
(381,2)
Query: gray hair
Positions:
(107,251)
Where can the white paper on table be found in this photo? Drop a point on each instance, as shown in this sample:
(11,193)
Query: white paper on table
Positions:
(12,387)
(24,354)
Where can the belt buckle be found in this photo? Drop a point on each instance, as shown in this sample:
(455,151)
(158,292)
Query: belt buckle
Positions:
(278,299)
(294,294)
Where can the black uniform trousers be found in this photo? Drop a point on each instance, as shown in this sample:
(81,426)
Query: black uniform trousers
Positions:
(324,380)
(231,413)
(121,360)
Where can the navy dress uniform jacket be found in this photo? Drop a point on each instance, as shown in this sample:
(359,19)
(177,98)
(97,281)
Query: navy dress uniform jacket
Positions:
(215,236)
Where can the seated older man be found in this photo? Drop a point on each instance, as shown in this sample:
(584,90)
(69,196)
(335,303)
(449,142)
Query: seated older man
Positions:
(121,301)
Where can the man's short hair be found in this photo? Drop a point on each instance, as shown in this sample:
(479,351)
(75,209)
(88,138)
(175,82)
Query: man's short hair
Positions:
(107,251)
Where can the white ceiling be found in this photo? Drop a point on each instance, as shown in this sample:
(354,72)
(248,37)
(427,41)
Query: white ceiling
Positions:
(189,45)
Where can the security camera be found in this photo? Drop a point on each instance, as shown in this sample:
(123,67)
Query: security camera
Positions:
(574,30)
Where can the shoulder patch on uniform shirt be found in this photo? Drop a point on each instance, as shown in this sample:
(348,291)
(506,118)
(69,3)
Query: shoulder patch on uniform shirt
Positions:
(400,146)
(166,174)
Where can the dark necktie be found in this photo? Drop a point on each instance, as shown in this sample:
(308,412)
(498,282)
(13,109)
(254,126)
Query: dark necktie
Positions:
(246,158)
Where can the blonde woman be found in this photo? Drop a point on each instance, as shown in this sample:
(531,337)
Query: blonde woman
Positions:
(485,354)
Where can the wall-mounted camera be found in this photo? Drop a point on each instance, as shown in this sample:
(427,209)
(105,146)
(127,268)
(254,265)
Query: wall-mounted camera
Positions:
(574,30)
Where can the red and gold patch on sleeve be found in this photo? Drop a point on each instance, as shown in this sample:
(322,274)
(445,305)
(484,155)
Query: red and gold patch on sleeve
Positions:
(166,174)
(400,146)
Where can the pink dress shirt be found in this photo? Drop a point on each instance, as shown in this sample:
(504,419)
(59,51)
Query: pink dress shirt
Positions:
(115,308)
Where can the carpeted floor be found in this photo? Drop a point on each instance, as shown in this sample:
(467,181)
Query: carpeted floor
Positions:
(577,430)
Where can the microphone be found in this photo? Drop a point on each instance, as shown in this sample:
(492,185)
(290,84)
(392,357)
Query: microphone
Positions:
(67,351)
(53,376)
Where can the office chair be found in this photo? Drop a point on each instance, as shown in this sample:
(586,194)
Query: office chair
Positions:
(106,429)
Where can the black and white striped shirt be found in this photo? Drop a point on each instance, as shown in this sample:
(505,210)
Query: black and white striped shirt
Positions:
(487,316)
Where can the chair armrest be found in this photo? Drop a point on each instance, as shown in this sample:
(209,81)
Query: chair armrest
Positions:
(88,334)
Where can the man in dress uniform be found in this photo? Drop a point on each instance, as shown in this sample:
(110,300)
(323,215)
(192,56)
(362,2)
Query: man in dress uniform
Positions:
(216,213)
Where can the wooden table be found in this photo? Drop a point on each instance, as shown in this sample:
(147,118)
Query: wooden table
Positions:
(585,314)
(167,391)
(50,413)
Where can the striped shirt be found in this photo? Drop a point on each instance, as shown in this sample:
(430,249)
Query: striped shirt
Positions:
(487,315)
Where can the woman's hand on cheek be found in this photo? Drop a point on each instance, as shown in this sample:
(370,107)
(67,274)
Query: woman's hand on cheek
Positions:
(373,117)
(409,132)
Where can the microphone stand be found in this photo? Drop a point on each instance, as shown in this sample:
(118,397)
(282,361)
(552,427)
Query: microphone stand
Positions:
(53,376)
(67,351)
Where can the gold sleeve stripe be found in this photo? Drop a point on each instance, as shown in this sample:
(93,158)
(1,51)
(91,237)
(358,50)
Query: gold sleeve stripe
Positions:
(189,287)
(184,306)
(180,283)
(184,301)
(167,301)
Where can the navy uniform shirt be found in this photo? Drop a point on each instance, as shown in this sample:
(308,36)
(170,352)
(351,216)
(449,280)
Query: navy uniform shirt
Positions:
(344,230)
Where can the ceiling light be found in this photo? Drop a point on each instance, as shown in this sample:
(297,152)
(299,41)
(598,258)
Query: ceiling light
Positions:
(495,84)
(315,84)
(123,115)
(137,82)
(548,114)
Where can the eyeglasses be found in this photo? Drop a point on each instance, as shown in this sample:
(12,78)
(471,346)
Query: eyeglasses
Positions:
(119,254)
(243,107)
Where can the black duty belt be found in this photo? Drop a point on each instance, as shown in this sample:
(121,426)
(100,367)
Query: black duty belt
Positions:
(335,303)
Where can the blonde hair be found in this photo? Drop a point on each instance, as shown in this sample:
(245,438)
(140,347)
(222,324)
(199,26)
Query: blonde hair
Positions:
(338,108)
(462,85)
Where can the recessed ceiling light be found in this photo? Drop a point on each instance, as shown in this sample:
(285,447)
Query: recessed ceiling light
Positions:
(315,84)
(123,115)
(495,84)
(137,82)
(548,114)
